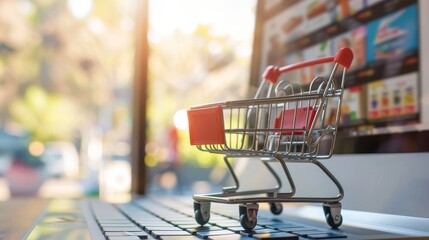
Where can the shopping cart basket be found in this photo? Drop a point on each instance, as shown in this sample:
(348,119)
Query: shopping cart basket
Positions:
(292,124)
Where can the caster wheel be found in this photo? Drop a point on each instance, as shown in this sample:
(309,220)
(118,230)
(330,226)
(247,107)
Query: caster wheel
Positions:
(276,208)
(333,214)
(200,219)
(202,212)
(248,215)
(334,223)
(246,223)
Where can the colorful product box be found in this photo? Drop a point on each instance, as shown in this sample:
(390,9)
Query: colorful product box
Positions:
(319,13)
(393,97)
(392,35)
(352,106)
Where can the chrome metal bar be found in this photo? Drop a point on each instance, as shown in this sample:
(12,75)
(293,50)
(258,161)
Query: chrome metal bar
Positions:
(279,181)
(334,180)
(323,97)
(221,198)
(234,188)
(260,101)
(287,173)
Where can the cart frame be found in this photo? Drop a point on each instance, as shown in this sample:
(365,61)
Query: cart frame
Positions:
(283,129)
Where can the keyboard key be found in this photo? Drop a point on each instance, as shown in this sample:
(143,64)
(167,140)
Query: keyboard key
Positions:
(179,238)
(219,218)
(154,223)
(183,222)
(290,230)
(190,226)
(277,235)
(170,233)
(269,222)
(325,235)
(207,234)
(230,237)
(306,232)
(107,221)
(156,226)
(141,235)
(121,229)
(203,229)
(259,231)
(239,229)
(225,224)
(117,225)
(124,238)
(282,225)
(169,228)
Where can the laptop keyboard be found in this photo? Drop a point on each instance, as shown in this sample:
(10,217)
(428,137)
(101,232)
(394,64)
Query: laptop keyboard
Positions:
(174,219)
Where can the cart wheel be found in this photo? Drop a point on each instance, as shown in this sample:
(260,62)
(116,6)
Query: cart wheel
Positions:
(202,212)
(333,214)
(248,215)
(246,223)
(276,208)
(334,223)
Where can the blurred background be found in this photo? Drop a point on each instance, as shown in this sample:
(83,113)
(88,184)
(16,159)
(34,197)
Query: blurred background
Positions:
(66,78)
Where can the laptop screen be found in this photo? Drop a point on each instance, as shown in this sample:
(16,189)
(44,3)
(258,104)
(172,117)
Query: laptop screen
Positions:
(384,114)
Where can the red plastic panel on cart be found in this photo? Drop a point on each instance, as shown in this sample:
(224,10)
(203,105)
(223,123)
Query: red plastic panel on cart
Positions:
(301,120)
(206,126)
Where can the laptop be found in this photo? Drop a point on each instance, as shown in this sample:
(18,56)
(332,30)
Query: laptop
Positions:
(366,212)
(173,217)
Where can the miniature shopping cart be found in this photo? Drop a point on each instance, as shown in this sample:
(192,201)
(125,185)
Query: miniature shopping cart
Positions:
(292,124)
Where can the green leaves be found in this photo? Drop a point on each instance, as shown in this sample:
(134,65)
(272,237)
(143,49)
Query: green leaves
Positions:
(47,116)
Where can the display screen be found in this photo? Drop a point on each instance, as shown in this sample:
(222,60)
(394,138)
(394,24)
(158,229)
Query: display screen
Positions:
(382,89)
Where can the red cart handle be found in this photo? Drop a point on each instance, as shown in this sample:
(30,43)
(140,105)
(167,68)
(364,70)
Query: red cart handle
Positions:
(344,56)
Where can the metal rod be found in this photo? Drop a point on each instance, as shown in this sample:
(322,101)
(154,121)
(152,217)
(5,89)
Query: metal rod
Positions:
(234,177)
